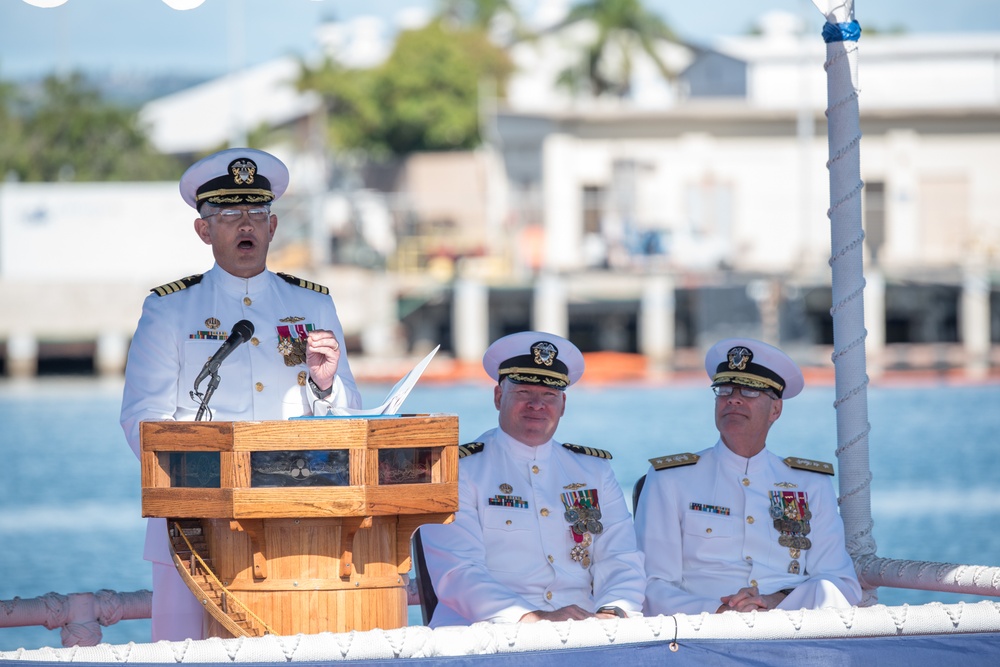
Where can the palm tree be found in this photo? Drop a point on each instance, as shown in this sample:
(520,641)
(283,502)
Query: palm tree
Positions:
(623,28)
(485,15)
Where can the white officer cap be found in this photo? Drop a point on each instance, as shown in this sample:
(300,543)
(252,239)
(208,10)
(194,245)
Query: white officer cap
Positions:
(234,176)
(534,357)
(751,363)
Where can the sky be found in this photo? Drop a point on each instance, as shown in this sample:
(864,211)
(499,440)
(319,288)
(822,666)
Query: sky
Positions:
(148,37)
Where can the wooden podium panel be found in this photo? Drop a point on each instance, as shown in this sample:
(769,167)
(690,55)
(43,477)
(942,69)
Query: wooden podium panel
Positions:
(309,547)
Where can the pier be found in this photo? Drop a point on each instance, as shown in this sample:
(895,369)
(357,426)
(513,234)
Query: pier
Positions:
(659,321)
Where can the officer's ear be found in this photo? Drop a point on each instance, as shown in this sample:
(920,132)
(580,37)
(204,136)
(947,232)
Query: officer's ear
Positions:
(201,229)
(775,410)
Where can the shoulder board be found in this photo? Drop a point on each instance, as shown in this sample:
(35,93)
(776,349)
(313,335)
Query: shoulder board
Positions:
(589,451)
(674,461)
(307,284)
(177,285)
(810,465)
(470,448)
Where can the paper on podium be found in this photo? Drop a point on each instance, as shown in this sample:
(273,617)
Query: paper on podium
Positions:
(395,398)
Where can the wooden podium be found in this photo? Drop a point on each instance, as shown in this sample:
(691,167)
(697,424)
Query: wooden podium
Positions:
(282,527)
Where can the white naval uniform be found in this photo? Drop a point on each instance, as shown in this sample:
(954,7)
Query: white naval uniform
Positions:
(706,531)
(497,563)
(172,342)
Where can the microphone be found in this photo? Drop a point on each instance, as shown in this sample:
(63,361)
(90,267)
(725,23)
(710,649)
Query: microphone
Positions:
(241,333)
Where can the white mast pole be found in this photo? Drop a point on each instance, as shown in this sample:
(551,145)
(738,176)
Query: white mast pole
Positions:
(841,34)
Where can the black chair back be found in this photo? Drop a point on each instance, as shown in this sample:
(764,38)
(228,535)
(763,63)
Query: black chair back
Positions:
(636,491)
(425,589)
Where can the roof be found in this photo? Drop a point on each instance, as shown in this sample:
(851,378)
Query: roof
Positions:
(220,111)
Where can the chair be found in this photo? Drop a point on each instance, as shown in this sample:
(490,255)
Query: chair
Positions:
(425,589)
(636,491)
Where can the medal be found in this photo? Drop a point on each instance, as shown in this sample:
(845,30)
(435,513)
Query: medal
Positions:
(292,342)
(506,488)
(791,515)
(583,516)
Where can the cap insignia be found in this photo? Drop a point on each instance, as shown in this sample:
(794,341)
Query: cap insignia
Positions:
(739,357)
(544,352)
(243,171)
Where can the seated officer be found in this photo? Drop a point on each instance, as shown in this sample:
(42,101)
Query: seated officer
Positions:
(734,527)
(542,530)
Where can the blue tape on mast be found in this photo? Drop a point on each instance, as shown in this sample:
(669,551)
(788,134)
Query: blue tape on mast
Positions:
(841,32)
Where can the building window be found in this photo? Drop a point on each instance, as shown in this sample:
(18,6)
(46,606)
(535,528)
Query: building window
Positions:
(873,205)
(944,219)
(593,208)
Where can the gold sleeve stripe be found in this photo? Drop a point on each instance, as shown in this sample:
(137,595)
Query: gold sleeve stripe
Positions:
(177,285)
(674,461)
(305,284)
(810,465)
(589,451)
(470,448)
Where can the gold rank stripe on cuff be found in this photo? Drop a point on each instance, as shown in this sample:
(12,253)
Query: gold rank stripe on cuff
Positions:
(470,448)
(177,285)
(589,451)
(674,461)
(305,284)
(810,465)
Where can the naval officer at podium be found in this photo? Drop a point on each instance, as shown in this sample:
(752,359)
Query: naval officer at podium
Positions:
(294,356)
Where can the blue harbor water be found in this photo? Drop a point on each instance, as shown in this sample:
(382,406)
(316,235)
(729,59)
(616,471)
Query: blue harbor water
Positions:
(69,486)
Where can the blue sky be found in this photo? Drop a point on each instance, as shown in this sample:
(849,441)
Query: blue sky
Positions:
(147,37)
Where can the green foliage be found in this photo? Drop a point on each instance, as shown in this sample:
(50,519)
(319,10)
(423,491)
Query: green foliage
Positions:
(624,27)
(66,132)
(423,98)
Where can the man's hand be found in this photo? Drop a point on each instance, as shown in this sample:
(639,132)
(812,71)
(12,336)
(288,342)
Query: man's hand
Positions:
(566,613)
(322,357)
(750,599)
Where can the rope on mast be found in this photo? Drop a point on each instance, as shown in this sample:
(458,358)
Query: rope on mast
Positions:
(841,34)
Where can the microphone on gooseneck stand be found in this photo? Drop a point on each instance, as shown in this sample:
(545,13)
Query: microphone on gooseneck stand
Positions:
(241,333)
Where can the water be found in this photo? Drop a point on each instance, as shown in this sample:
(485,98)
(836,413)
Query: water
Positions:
(69,487)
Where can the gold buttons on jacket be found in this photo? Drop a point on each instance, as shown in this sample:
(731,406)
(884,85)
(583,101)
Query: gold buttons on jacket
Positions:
(548,595)
(247,301)
(259,386)
(544,511)
(708,530)
(753,582)
(750,519)
(534,469)
(509,522)
(255,341)
(746,482)
(551,559)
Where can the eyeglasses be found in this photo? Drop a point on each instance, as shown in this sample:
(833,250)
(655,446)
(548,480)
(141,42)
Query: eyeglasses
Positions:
(256,215)
(724,390)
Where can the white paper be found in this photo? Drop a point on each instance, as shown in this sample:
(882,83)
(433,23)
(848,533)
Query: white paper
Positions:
(396,396)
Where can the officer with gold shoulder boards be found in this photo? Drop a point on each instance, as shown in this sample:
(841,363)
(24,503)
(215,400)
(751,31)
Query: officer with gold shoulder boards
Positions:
(542,529)
(294,359)
(735,527)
